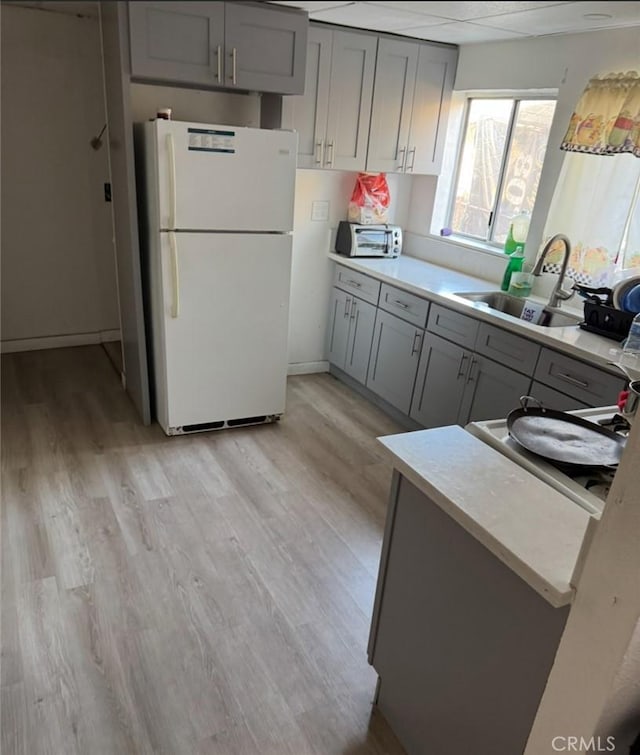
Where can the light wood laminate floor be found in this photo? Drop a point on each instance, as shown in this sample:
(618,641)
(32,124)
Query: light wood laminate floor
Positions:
(201,594)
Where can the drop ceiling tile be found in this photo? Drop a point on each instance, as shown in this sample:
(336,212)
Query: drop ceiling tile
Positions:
(369,16)
(563,19)
(464,11)
(458,33)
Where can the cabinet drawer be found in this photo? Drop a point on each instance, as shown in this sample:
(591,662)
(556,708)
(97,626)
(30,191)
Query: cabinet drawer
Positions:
(581,381)
(407,306)
(508,349)
(552,399)
(453,326)
(356,283)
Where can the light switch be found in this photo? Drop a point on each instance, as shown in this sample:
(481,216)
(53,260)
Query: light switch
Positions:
(320,209)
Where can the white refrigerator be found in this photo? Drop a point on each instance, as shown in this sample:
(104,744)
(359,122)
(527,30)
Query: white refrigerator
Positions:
(217,204)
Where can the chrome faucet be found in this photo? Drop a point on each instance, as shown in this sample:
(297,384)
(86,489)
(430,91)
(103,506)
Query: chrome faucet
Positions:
(558,294)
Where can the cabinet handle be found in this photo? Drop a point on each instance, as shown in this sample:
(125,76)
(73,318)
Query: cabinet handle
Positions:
(400,165)
(417,337)
(354,283)
(319,153)
(219,63)
(354,309)
(412,152)
(471,376)
(399,303)
(234,61)
(347,304)
(329,160)
(572,380)
(461,370)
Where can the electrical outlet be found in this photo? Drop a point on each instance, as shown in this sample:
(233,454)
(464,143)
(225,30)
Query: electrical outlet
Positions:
(320,209)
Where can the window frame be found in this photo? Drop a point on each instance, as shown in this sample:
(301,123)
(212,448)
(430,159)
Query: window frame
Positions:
(516,98)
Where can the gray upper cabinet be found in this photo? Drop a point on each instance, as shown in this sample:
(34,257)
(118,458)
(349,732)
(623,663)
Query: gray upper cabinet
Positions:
(410,107)
(215,44)
(395,83)
(440,383)
(491,391)
(394,360)
(265,48)
(353,62)
(351,322)
(308,114)
(434,84)
(332,118)
(177,41)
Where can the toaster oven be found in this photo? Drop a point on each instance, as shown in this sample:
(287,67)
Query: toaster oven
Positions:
(355,240)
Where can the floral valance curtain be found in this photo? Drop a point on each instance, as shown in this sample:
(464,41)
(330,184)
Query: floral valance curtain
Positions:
(595,202)
(606,120)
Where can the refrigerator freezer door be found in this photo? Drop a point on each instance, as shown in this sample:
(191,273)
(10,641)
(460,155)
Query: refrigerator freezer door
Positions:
(225,178)
(223,354)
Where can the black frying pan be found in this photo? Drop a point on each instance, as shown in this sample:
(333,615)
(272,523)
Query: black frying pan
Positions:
(564,439)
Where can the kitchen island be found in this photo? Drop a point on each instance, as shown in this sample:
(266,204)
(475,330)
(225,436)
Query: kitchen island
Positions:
(476,580)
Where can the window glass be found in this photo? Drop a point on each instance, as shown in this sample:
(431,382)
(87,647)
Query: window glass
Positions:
(524,164)
(498,172)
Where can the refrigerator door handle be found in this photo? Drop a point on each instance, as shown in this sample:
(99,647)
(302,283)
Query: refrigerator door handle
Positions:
(175,274)
(171,149)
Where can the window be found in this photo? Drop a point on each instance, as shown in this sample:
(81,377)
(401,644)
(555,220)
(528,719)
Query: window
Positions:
(502,150)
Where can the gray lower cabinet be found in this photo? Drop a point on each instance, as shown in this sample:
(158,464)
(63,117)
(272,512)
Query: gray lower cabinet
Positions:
(552,399)
(440,382)
(215,44)
(492,391)
(463,647)
(394,360)
(351,324)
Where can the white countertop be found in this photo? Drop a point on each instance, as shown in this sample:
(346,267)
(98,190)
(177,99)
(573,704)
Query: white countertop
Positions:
(440,284)
(535,530)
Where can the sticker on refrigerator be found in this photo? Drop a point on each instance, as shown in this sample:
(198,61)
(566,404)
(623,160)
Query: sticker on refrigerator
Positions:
(211,140)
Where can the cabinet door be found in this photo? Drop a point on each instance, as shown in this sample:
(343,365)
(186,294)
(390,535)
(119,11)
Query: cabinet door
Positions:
(307,114)
(177,41)
(362,320)
(392,102)
(434,84)
(339,314)
(492,391)
(353,62)
(552,399)
(394,360)
(266,48)
(440,383)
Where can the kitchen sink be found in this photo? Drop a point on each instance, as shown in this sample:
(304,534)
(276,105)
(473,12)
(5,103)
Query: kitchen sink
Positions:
(513,306)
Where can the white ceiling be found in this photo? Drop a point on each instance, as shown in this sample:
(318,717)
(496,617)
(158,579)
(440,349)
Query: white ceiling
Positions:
(469,22)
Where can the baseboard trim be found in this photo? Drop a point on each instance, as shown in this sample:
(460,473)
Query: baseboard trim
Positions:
(58,342)
(307,368)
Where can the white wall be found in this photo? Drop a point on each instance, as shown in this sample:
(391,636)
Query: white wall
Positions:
(58,268)
(564,63)
(196,105)
(311,270)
